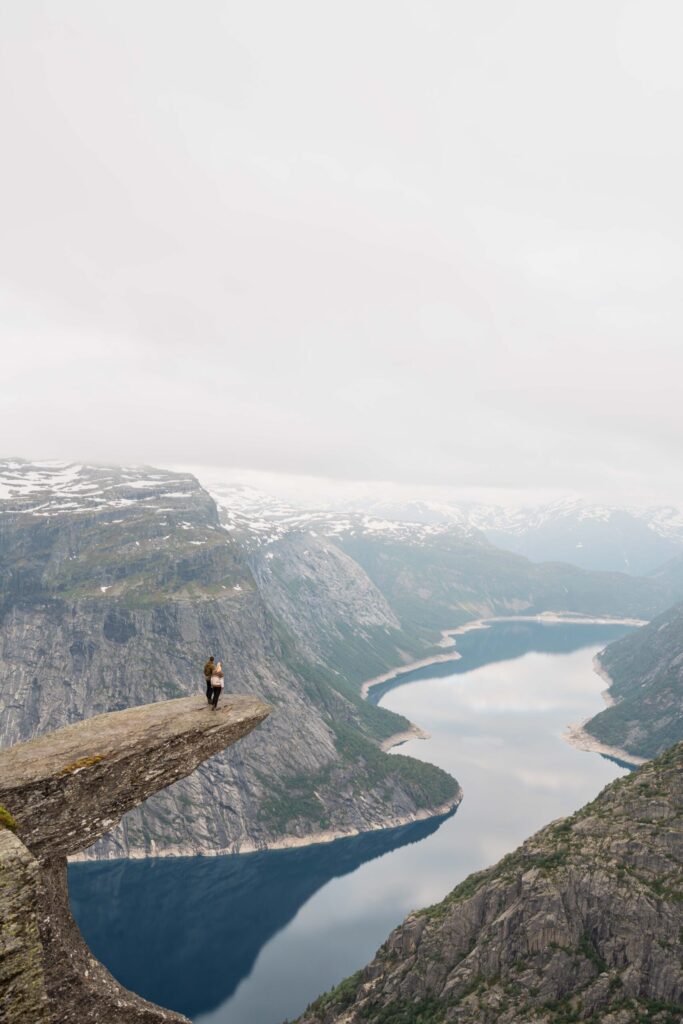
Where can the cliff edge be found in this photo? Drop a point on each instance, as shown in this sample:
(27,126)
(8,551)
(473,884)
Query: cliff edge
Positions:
(65,790)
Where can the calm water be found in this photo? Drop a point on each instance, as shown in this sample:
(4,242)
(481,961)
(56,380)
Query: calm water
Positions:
(253,939)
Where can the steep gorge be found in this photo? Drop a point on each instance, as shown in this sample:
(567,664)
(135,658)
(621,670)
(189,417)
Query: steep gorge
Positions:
(583,922)
(115,585)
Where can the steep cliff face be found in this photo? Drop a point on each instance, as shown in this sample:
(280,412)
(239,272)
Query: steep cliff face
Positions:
(645,670)
(377,591)
(582,922)
(331,605)
(22,978)
(115,585)
(64,790)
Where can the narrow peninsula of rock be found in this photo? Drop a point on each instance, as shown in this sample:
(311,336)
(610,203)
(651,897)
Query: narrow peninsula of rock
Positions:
(62,791)
(584,922)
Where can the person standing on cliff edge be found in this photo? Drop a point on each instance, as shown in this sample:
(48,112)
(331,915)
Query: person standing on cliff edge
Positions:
(208,672)
(216,684)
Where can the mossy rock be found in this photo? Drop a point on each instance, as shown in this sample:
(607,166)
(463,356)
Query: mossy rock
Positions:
(81,763)
(7,820)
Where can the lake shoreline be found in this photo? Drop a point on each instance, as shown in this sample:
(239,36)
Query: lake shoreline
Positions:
(577,735)
(448,639)
(288,843)
(413,733)
(577,739)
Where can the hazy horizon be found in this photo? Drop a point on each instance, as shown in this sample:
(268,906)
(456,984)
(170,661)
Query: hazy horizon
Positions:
(420,246)
(322,492)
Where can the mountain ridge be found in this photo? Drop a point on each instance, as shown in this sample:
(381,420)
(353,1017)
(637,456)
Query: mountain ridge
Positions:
(115,584)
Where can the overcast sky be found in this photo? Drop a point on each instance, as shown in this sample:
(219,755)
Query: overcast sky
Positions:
(433,243)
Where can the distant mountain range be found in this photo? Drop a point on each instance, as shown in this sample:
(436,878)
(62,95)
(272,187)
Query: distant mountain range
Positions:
(608,538)
(605,538)
(116,583)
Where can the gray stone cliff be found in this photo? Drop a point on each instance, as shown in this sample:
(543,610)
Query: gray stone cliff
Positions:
(584,922)
(65,790)
(115,586)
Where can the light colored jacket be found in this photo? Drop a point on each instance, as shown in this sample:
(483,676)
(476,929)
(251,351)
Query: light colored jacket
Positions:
(217,677)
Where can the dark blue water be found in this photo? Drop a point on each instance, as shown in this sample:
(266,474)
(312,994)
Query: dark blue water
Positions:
(252,939)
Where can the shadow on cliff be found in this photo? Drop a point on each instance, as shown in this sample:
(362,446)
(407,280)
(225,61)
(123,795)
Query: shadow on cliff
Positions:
(157,923)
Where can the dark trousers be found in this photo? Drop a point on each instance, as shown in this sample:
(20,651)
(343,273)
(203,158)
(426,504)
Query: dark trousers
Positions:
(209,688)
(217,690)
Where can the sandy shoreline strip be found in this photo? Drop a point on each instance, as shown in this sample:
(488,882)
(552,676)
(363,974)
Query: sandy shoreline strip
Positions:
(413,733)
(291,843)
(393,673)
(577,736)
(601,671)
(448,639)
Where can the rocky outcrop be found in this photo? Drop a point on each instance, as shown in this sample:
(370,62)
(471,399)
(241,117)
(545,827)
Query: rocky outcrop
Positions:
(583,922)
(23,994)
(65,790)
(115,586)
(645,675)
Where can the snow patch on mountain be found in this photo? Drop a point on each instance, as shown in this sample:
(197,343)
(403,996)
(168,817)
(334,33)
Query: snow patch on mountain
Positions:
(52,488)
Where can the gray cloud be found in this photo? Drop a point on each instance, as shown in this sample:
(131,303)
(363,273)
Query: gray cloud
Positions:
(432,243)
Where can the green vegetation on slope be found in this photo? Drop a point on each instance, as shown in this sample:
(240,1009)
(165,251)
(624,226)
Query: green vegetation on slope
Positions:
(302,803)
(646,669)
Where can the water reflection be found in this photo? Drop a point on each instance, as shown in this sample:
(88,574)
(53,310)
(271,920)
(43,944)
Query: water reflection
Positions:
(253,939)
(162,925)
(507,641)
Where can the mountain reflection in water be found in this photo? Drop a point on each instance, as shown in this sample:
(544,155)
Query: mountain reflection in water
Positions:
(128,909)
(251,939)
(507,641)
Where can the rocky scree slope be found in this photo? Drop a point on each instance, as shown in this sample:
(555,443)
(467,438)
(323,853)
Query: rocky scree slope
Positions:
(582,922)
(115,585)
(646,673)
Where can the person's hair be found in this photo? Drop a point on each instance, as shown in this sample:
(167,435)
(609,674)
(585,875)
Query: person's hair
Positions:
(211,658)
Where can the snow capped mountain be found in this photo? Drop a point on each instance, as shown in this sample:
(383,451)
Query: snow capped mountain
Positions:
(591,536)
(262,519)
(49,488)
(632,540)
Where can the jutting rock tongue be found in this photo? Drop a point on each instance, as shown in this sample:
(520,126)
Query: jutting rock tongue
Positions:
(65,790)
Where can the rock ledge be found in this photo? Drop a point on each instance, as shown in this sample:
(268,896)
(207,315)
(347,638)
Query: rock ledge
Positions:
(65,790)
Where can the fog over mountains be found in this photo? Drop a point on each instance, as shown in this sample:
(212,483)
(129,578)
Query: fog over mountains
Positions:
(635,540)
(114,580)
